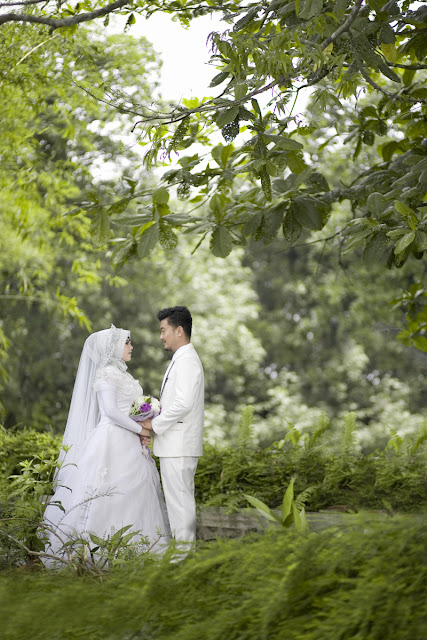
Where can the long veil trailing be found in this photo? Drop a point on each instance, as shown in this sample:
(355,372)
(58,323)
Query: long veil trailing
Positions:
(100,349)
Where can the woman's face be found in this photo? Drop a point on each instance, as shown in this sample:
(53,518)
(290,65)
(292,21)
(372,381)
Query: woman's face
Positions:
(127,351)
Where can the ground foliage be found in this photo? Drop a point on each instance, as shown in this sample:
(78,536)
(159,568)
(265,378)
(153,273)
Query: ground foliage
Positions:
(328,473)
(368,581)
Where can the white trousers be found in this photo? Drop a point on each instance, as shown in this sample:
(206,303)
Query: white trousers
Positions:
(178,486)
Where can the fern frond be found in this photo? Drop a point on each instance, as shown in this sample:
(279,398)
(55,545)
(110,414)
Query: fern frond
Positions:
(322,426)
(414,447)
(304,496)
(395,441)
(348,438)
(293,434)
(246,430)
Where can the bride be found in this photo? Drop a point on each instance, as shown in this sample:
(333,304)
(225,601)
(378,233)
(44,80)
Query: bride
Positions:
(107,478)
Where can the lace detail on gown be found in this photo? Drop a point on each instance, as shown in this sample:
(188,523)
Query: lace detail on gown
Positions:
(125,384)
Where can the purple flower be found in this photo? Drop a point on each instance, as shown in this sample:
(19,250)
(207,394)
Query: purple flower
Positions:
(145,407)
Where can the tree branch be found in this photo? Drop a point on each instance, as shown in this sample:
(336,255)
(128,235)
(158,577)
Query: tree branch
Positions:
(57,23)
(179,113)
(37,47)
(345,25)
(377,87)
(410,67)
(389,94)
(22,3)
(23,298)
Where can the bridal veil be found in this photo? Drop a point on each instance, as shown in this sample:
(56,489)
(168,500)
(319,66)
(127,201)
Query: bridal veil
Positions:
(101,349)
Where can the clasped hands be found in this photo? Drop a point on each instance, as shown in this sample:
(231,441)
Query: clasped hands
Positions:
(146,431)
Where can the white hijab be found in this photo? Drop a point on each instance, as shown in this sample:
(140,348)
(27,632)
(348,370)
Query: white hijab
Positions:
(101,349)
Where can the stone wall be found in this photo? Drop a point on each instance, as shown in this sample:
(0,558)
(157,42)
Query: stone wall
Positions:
(213,523)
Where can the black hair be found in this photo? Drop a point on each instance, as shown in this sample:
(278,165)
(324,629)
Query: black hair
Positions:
(177,317)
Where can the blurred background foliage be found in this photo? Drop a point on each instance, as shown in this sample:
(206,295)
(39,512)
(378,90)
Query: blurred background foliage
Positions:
(297,329)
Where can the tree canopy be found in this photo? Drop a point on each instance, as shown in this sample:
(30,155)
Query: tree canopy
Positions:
(305,192)
(362,62)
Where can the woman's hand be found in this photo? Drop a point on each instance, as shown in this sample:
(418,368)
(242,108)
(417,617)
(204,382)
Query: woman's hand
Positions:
(145,440)
(144,432)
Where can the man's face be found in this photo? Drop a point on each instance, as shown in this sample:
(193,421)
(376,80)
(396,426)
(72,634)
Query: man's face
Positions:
(169,335)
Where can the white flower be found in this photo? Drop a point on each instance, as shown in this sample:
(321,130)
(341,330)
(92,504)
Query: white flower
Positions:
(155,404)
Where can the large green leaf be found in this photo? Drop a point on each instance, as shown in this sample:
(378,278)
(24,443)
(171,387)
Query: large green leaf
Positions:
(291,228)
(228,116)
(240,90)
(161,195)
(178,219)
(265,182)
(356,239)
(252,223)
(221,242)
(119,534)
(288,501)
(376,203)
(273,220)
(407,213)
(309,212)
(263,509)
(282,186)
(119,207)
(100,227)
(296,162)
(299,518)
(148,240)
(219,78)
(138,219)
(96,540)
(289,144)
(404,242)
(310,8)
(387,34)
(126,251)
(375,248)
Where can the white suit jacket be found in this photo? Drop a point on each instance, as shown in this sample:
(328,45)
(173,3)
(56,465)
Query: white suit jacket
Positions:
(178,430)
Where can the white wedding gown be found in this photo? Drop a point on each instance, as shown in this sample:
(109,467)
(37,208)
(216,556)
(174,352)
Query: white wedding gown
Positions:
(115,483)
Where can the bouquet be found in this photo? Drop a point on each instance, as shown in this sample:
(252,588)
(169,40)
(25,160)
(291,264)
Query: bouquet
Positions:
(144,407)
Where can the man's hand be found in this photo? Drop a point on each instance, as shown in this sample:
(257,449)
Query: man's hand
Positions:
(147,425)
(146,440)
(145,433)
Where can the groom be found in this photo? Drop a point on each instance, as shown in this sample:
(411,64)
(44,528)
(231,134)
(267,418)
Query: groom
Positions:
(178,430)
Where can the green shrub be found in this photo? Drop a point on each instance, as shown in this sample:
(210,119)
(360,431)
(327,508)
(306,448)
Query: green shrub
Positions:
(368,582)
(25,444)
(30,456)
(337,473)
(19,519)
